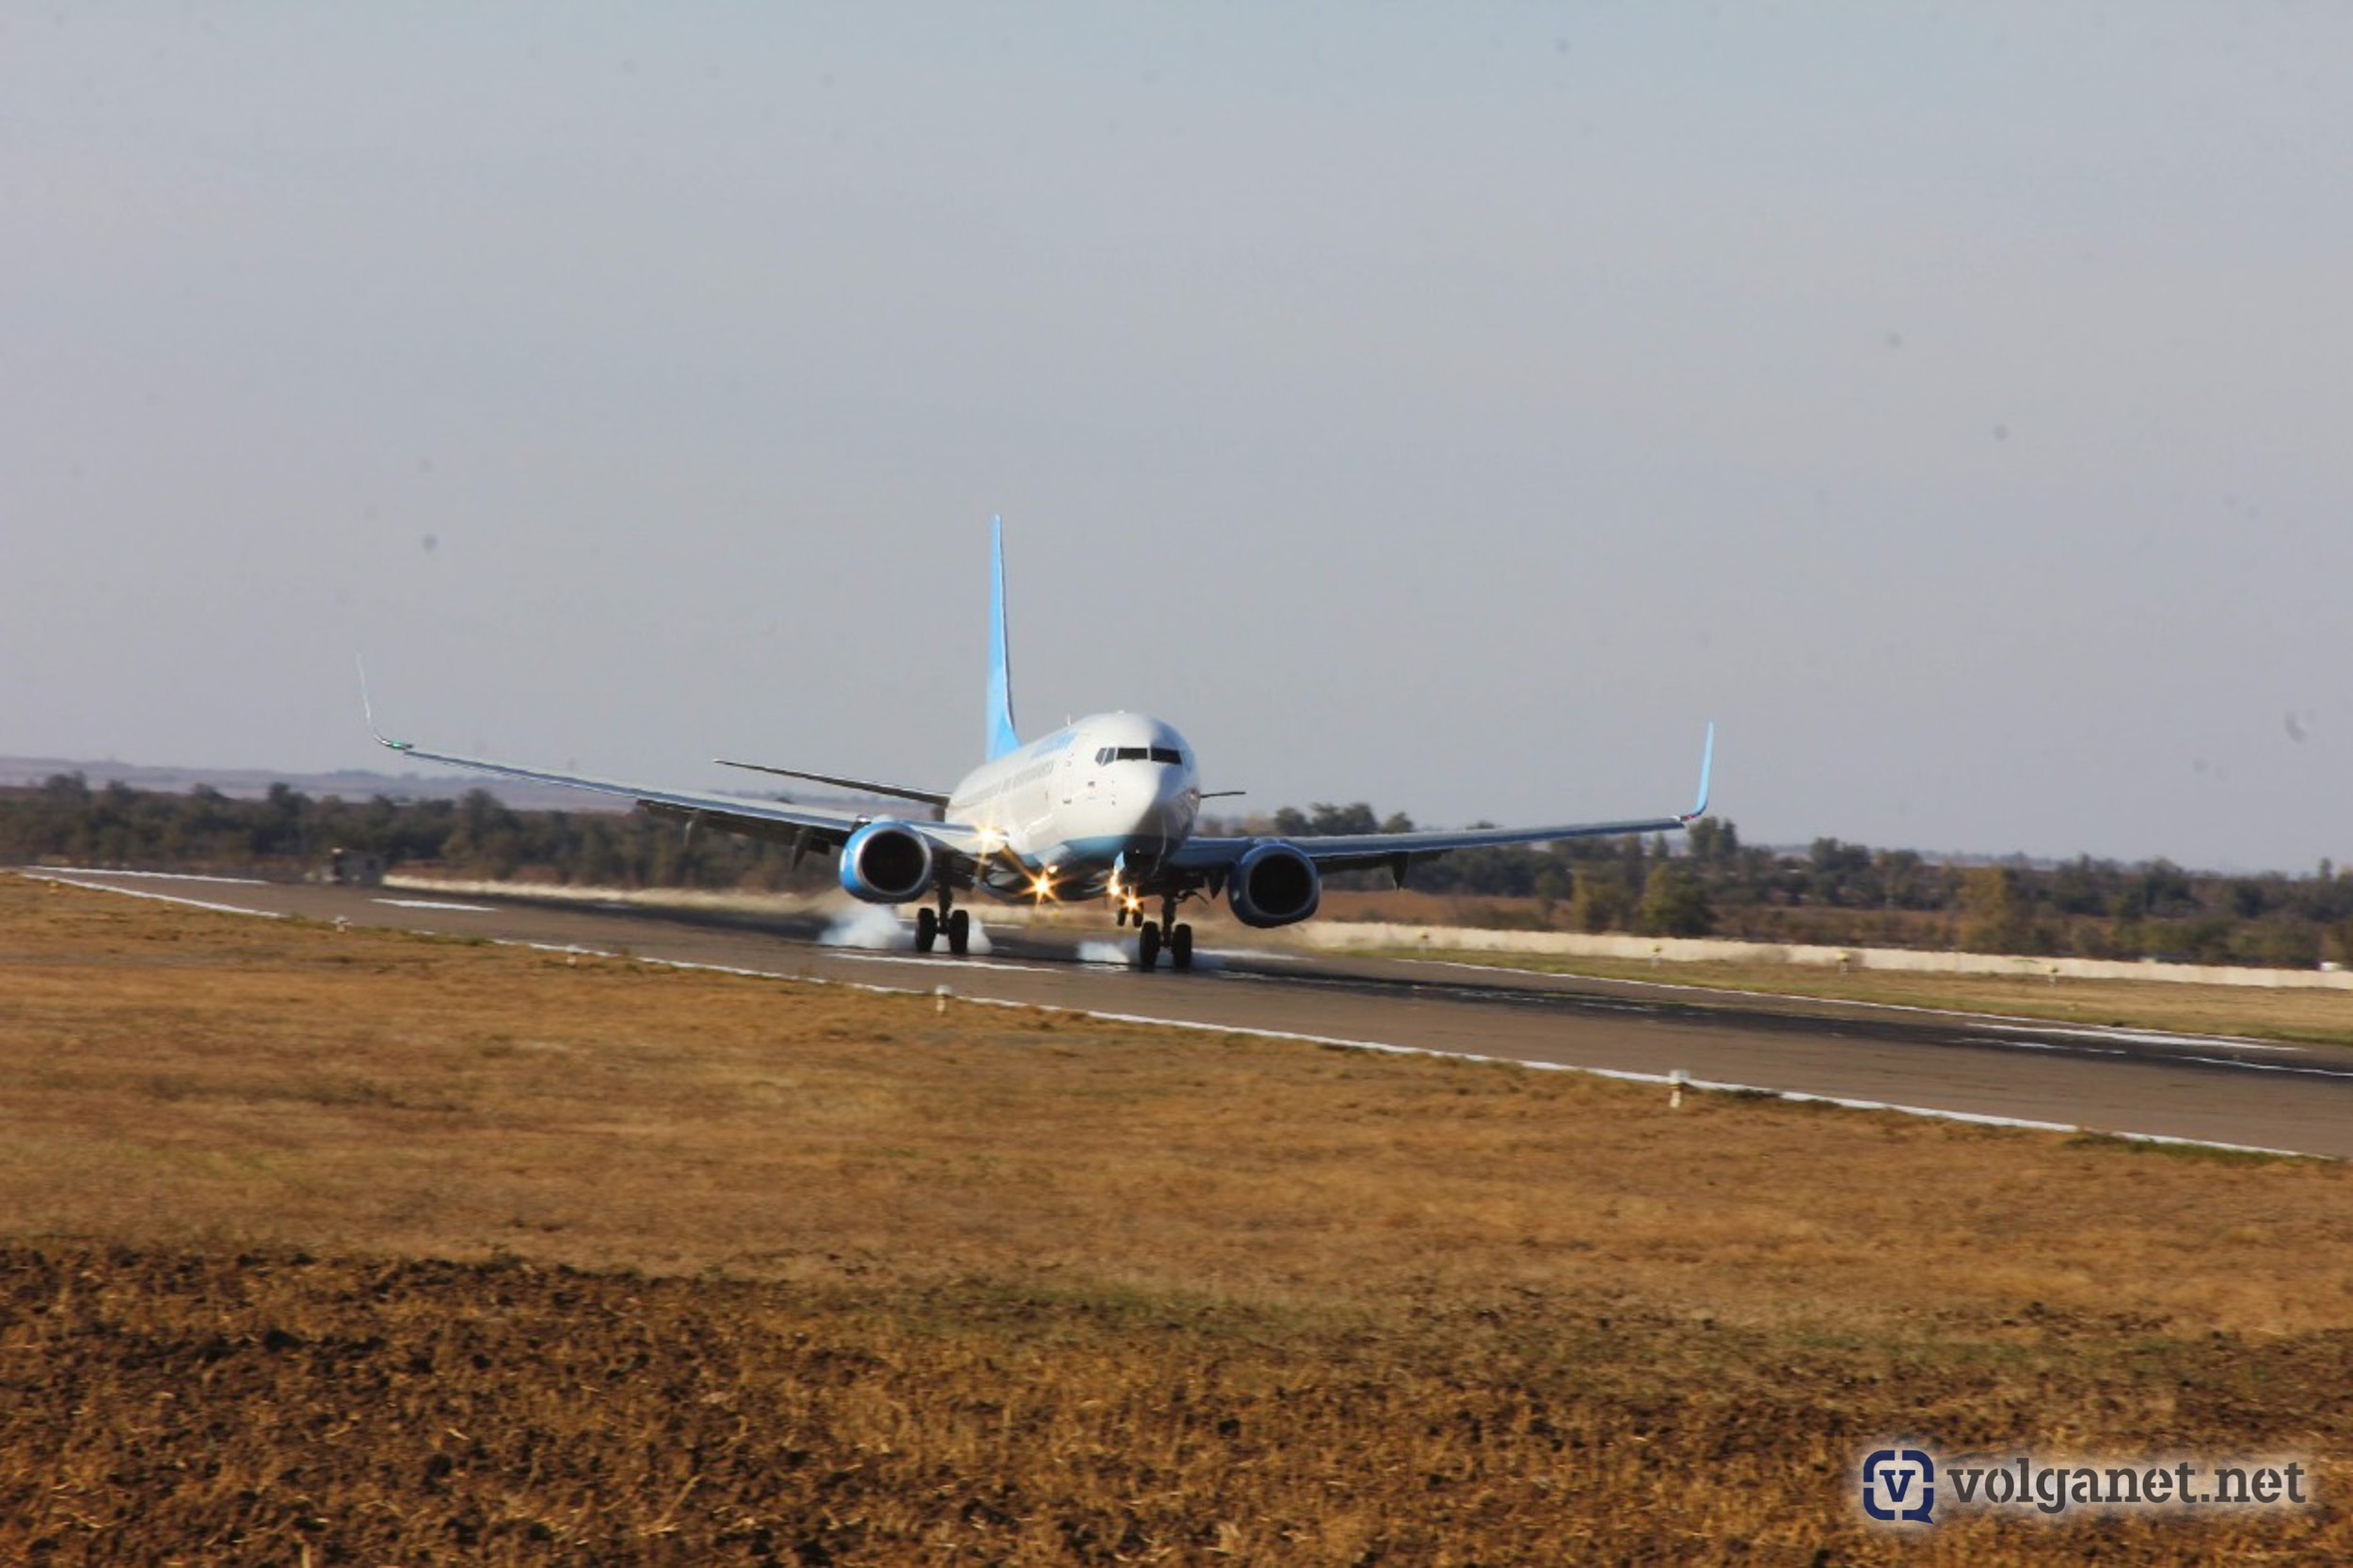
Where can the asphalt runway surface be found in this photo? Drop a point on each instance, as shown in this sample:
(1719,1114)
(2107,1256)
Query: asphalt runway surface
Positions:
(2195,1088)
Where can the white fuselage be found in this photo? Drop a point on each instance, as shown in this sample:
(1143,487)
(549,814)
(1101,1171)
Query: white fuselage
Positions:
(1106,789)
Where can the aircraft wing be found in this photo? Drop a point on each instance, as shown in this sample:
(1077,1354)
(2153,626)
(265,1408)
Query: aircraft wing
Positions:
(805,827)
(1370,851)
(765,819)
(863,786)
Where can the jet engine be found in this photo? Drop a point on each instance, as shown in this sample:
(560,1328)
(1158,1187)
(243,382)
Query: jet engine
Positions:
(1274,883)
(886,862)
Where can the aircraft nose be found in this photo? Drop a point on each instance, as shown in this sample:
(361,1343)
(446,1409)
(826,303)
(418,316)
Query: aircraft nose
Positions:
(1151,814)
(1173,803)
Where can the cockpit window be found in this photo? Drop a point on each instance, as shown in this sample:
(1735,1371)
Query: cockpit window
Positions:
(1139,753)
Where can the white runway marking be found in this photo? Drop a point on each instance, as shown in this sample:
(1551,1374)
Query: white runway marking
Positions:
(431,903)
(160,876)
(160,898)
(2044,1045)
(1987,1021)
(848,955)
(2266,1067)
(1626,1075)
(2142,1036)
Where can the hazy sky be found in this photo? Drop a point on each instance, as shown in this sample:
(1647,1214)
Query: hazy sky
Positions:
(1452,407)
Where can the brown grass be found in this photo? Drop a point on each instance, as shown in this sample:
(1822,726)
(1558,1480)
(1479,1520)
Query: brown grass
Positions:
(302,1216)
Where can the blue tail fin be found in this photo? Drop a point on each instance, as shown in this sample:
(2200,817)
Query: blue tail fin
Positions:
(1002,738)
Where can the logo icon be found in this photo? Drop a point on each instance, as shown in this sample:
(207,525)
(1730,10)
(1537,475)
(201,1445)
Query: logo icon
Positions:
(1899,1484)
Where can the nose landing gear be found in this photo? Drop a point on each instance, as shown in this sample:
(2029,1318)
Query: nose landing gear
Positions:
(948,922)
(1169,934)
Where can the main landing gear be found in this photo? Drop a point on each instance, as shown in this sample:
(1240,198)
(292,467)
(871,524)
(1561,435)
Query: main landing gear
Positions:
(1170,934)
(946,921)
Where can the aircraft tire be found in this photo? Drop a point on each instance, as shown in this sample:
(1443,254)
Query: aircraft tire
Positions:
(1180,947)
(960,932)
(926,929)
(1148,946)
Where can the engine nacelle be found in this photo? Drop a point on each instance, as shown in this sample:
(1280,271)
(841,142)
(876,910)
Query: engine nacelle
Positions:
(1274,883)
(886,862)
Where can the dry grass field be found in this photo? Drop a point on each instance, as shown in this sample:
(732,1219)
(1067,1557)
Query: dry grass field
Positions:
(348,1247)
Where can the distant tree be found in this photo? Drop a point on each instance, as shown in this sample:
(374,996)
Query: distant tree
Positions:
(2252,896)
(1324,819)
(1631,860)
(2277,944)
(1675,904)
(1907,881)
(2166,891)
(1996,913)
(1331,821)
(2082,886)
(1840,874)
(1712,841)
(2206,940)
(1553,883)
(1498,872)
(1598,902)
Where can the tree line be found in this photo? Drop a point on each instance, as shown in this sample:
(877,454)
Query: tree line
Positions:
(1711,884)
(476,836)
(1850,895)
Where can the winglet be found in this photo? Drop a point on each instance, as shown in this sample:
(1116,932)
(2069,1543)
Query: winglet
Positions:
(1002,738)
(1707,766)
(367,709)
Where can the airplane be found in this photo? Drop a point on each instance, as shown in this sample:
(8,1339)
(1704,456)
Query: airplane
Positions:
(1106,806)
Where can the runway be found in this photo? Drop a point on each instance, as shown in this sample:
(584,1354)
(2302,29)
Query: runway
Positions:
(2203,1089)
